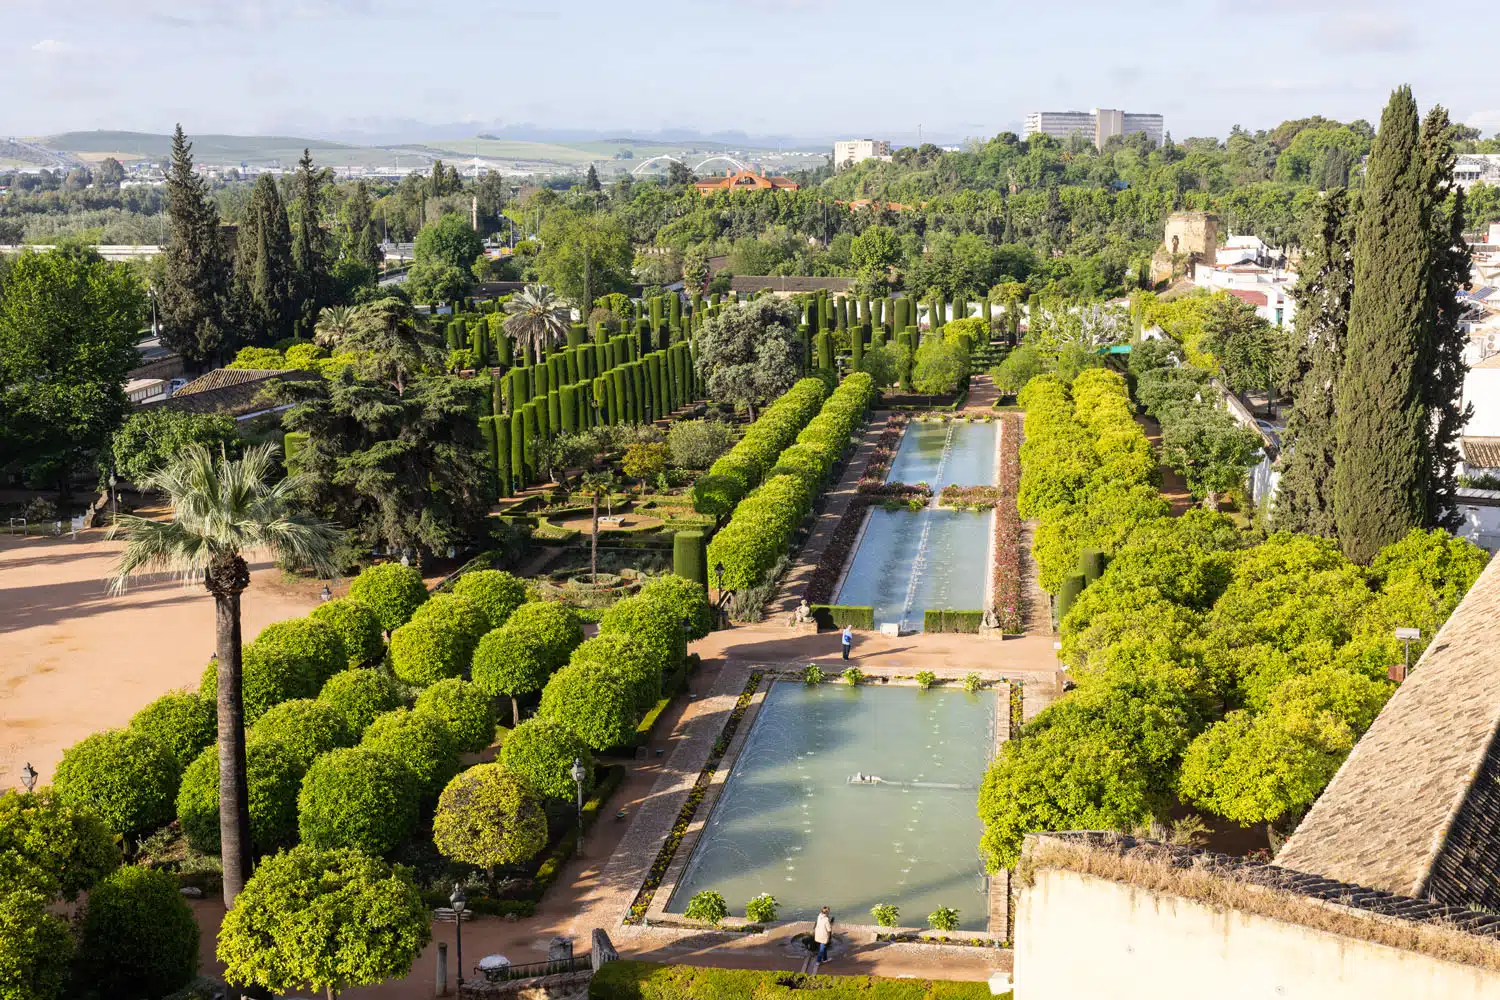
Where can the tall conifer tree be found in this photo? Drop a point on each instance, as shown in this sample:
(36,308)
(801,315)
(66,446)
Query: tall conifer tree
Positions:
(1380,481)
(264,272)
(310,257)
(1304,498)
(194,290)
(1443,373)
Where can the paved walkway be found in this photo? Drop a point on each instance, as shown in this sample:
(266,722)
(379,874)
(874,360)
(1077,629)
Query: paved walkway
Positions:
(982,395)
(835,502)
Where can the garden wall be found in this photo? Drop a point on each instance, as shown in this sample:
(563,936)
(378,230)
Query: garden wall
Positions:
(1143,945)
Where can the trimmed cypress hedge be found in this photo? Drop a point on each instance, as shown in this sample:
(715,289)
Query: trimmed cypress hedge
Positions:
(839,615)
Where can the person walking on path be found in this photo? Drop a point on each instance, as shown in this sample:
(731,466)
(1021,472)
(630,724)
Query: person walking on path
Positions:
(823,929)
(848,639)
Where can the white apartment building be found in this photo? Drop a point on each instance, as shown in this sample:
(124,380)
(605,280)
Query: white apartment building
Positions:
(1098,124)
(1246,268)
(1476,168)
(847,152)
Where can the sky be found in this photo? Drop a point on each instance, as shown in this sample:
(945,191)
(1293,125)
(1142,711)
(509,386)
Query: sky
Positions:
(814,69)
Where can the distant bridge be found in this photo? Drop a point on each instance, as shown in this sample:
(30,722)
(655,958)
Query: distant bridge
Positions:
(636,171)
(116,252)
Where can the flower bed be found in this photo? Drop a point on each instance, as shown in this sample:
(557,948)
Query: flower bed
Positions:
(884,453)
(1008,583)
(695,798)
(971,497)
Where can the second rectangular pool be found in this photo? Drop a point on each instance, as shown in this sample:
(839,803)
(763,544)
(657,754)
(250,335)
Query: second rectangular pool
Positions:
(909,561)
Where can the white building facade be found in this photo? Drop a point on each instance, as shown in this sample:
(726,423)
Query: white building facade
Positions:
(1098,124)
(847,152)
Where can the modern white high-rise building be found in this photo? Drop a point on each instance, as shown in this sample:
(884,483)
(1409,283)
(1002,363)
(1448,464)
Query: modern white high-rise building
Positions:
(850,151)
(1097,124)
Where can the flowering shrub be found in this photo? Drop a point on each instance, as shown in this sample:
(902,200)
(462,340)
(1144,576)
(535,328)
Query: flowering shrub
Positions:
(971,497)
(1008,583)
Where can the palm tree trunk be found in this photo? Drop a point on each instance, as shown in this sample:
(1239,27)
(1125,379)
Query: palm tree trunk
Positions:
(515,712)
(226,582)
(594,545)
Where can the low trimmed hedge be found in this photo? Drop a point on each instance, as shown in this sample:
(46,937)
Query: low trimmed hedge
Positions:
(938,620)
(653,981)
(839,615)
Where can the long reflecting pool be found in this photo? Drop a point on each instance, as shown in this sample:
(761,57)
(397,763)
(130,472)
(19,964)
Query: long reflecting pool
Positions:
(789,822)
(909,561)
(921,458)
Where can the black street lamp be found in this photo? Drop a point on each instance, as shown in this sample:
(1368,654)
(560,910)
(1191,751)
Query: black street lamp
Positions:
(579,774)
(28,777)
(719,572)
(326,595)
(458,901)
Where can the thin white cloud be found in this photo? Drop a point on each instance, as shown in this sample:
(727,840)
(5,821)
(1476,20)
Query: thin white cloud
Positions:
(53,47)
(1365,32)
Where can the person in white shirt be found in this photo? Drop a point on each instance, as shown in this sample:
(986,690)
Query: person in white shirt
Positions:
(823,933)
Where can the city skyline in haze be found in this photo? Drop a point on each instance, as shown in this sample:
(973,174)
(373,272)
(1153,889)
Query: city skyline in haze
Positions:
(792,70)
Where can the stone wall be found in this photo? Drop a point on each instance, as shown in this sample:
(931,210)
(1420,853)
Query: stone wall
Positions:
(1191,238)
(567,986)
(1080,935)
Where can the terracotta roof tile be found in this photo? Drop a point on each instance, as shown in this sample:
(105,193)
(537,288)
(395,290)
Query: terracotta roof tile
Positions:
(1480,452)
(1415,809)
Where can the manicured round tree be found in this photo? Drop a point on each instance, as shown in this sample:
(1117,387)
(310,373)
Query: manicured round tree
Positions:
(182,722)
(137,938)
(651,620)
(487,817)
(305,726)
(542,752)
(290,659)
(269,938)
(637,662)
(36,948)
(496,591)
(392,591)
(419,740)
(360,695)
(122,777)
(465,615)
(358,797)
(52,847)
(688,598)
(273,775)
(553,625)
(468,712)
(357,624)
(425,652)
(594,700)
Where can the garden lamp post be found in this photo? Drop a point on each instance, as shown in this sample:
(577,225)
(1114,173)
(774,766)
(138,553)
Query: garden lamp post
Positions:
(28,777)
(1407,635)
(458,901)
(579,774)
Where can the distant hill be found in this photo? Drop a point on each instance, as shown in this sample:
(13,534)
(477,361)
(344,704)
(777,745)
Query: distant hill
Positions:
(206,148)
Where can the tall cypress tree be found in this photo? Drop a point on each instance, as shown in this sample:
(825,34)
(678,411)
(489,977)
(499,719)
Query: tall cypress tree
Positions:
(193,292)
(310,256)
(1304,498)
(1444,368)
(1380,481)
(264,273)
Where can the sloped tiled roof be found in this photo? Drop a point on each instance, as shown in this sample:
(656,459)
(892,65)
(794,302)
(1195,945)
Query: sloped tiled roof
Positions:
(230,391)
(1480,452)
(1246,295)
(1415,809)
(743,283)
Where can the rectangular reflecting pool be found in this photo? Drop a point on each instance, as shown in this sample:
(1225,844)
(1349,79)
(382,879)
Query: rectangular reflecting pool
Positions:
(909,561)
(920,458)
(789,822)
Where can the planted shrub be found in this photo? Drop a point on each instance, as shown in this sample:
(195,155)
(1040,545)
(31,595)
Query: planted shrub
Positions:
(304,726)
(467,711)
(488,816)
(973,682)
(358,797)
(886,914)
(51,847)
(640,664)
(465,616)
(690,563)
(708,906)
(697,444)
(761,909)
(594,700)
(137,939)
(944,918)
(392,591)
(124,778)
(360,695)
(688,600)
(497,592)
(36,947)
(273,774)
(182,722)
(533,645)
(357,624)
(812,674)
(425,652)
(542,751)
(290,659)
(420,741)
(715,496)
(651,620)
(853,676)
(926,679)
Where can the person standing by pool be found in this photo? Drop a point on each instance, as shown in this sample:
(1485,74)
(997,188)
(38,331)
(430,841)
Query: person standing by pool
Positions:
(848,639)
(823,929)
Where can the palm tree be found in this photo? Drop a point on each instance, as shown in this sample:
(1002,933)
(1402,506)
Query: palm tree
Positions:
(223,509)
(535,319)
(595,485)
(334,324)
